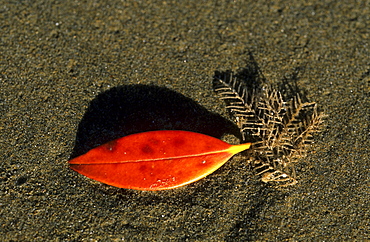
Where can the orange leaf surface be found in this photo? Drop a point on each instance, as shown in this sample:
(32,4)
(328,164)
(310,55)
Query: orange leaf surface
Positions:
(155,160)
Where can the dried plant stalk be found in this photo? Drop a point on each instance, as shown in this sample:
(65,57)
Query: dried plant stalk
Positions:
(281,130)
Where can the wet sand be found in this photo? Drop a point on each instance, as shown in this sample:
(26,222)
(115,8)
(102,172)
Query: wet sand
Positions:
(74,75)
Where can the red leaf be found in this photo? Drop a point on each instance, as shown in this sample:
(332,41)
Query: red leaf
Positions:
(155,160)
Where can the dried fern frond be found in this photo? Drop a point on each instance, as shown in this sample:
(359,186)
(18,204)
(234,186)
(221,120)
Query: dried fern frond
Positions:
(281,130)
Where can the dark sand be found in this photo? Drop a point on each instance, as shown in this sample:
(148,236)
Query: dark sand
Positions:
(58,58)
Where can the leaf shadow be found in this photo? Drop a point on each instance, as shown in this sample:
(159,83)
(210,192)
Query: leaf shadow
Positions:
(129,109)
